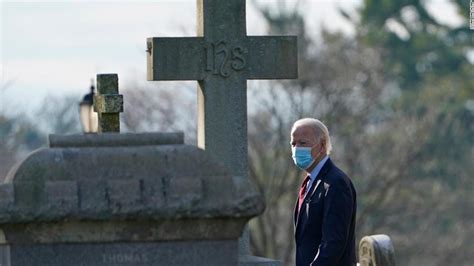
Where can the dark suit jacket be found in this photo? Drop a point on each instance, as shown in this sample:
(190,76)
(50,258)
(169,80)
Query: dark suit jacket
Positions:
(324,228)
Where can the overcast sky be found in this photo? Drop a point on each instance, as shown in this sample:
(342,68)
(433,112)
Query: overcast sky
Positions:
(54,48)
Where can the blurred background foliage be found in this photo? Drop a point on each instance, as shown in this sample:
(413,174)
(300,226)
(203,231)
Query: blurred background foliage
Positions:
(397,97)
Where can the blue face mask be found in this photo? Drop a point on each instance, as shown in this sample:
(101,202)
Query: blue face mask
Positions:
(302,157)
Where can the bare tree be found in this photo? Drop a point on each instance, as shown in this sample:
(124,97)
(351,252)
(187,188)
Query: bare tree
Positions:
(382,141)
(155,107)
(59,115)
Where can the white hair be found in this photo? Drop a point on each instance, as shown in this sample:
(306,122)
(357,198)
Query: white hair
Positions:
(320,130)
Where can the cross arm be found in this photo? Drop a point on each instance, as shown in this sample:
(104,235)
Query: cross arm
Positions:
(273,57)
(175,58)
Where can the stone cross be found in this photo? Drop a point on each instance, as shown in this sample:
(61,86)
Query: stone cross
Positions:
(222,58)
(376,250)
(108,103)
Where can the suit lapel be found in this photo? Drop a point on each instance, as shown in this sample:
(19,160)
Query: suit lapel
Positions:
(311,192)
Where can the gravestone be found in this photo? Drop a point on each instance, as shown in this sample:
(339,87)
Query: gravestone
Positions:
(376,250)
(222,58)
(123,199)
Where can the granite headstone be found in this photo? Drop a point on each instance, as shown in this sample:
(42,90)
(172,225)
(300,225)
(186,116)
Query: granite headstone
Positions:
(123,199)
(376,250)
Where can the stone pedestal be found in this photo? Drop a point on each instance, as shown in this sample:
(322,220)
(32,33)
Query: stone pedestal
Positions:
(123,199)
(115,254)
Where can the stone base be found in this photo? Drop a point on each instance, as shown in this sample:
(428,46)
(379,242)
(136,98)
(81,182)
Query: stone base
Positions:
(248,260)
(205,253)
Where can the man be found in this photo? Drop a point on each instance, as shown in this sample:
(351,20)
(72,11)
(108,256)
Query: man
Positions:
(326,206)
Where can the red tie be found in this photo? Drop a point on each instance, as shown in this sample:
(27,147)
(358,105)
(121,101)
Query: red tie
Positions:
(302,192)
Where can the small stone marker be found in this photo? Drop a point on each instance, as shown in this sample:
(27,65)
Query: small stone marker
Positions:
(376,250)
(108,103)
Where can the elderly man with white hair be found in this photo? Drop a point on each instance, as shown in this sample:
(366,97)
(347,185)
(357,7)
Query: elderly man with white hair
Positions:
(326,207)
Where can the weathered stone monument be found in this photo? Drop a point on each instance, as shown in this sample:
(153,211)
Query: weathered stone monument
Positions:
(122,199)
(222,58)
(376,250)
(108,104)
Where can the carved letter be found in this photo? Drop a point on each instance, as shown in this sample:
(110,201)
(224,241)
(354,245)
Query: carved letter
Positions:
(218,57)
(225,51)
(238,60)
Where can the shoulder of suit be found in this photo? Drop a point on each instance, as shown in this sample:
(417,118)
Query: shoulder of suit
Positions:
(337,177)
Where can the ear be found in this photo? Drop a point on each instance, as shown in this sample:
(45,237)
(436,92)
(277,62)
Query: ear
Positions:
(323,145)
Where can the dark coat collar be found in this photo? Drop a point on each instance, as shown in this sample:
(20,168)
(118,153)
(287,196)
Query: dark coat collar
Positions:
(319,179)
